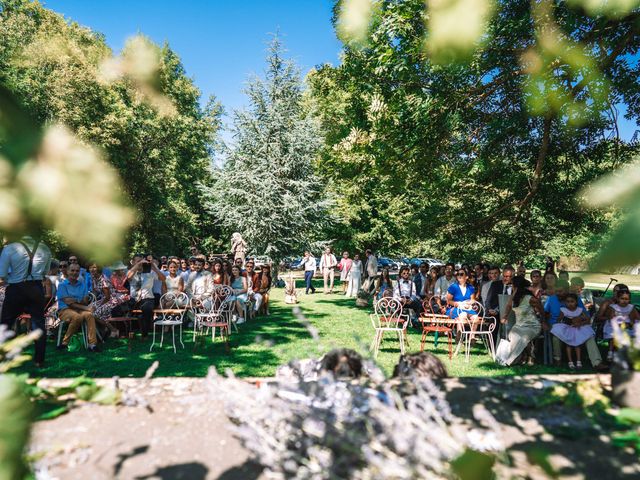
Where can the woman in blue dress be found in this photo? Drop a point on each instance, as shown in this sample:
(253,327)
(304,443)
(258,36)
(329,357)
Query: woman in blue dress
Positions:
(460,297)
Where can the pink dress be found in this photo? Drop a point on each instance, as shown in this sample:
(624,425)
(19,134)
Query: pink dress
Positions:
(622,316)
(573,336)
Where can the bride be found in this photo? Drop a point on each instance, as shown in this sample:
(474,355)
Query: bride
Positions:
(527,326)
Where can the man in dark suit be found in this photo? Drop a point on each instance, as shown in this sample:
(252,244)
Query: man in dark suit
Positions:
(420,279)
(497,288)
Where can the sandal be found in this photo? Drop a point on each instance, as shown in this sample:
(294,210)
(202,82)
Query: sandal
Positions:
(572,366)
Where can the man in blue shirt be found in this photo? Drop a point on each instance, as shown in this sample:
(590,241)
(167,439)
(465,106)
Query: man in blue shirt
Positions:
(552,309)
(74,309)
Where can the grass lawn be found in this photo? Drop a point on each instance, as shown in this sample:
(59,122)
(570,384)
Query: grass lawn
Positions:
(263,344)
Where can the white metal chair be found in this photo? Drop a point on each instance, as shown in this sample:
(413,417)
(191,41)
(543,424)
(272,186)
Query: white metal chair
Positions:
(387,317)
(83,327)
(484,327)
(171,314)
(216,313)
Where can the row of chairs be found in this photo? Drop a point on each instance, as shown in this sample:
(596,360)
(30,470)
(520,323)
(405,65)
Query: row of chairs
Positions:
(389,317)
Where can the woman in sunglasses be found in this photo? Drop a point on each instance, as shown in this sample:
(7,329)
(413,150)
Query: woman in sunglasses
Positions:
(460,297)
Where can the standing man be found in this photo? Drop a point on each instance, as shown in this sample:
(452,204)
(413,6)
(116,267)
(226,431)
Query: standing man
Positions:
(328,264)
(23,265)
(309,263)
(370,271)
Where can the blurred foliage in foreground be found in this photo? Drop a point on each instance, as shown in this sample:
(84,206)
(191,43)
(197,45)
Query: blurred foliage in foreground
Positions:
(471,144)
(140,111)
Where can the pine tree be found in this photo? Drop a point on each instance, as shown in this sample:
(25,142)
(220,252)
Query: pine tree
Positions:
(266,189)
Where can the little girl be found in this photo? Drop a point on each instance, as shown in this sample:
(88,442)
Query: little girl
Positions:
(624,313)
(576,331)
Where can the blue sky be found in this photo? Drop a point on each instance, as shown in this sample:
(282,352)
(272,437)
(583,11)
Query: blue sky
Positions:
(222,42)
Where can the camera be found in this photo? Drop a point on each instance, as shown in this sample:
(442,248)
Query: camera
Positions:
(146,268)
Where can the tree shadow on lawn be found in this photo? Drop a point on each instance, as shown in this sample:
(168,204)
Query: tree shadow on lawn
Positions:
(556,429)
(252,353)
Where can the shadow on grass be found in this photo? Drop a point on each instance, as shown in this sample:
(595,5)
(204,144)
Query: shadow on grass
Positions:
(559,429)
(251,353)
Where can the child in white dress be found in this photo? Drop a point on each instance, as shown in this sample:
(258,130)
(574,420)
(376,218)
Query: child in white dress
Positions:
(573,328)
(624,313)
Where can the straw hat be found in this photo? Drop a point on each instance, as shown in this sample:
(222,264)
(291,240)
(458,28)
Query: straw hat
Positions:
(118,266)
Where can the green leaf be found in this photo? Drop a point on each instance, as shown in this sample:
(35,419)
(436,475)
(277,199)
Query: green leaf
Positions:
(473,465)
(629,416)
(540,457)
(49,410)
(106,396)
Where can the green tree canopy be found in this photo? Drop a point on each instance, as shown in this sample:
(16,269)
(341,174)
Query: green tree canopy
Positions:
(57,68)
(482,158)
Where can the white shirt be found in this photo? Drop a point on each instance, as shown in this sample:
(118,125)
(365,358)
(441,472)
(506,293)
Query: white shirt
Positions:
(200,284)
(142,285)
(328,260)
(310,264)
(404,288)
(372,266)
(14,261)
(442,285)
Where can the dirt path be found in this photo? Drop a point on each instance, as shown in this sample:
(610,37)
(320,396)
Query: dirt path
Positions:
(186,437)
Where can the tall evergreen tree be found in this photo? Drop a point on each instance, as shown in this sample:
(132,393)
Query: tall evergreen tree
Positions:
(266,189)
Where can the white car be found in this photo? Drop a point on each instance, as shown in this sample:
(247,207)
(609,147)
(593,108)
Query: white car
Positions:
(261,260)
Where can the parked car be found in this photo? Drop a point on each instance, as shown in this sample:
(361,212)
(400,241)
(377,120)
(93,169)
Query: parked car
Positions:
(384,262)
(261,260)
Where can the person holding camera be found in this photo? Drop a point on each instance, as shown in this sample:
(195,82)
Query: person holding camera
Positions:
(141,278)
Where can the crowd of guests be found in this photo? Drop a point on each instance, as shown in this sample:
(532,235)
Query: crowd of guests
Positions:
(546,305)
(78,293)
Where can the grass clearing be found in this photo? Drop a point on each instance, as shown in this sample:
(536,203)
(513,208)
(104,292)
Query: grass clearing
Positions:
(263,344)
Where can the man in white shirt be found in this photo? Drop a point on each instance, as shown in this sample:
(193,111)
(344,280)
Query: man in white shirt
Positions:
(405,292)
(23,265)
(443,283)
(199,285)
(370,271)
(141,277)
(309,263)
(328,264)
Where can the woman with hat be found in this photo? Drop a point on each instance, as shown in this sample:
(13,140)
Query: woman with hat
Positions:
(118,294)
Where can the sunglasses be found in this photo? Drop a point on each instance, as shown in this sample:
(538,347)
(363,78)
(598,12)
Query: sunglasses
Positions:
(64,265)
(461,274)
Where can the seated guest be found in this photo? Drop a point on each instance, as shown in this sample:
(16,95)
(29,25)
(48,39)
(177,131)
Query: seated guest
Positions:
(114,304)
(421,279)
(74,309)
(603,314)
(548,285)
(251,276)
(102,306)
(261,289)
(563,275)
(184,267)
(83,271)
(623,313)
(460,298)
(174,284)
(536,283)
(443,284)
(573,328)
(527,326)
(498,288)
(186,272)
(430,285)
(577,287)
(493,275)
(239,286)
(200,282)
(405,292)
(141,278)
(384,284)
(521,271)
(553,307)
(219,275)
(159,286)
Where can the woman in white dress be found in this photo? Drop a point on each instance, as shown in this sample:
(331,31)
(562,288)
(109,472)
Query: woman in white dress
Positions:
(527,326)
(354,277)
